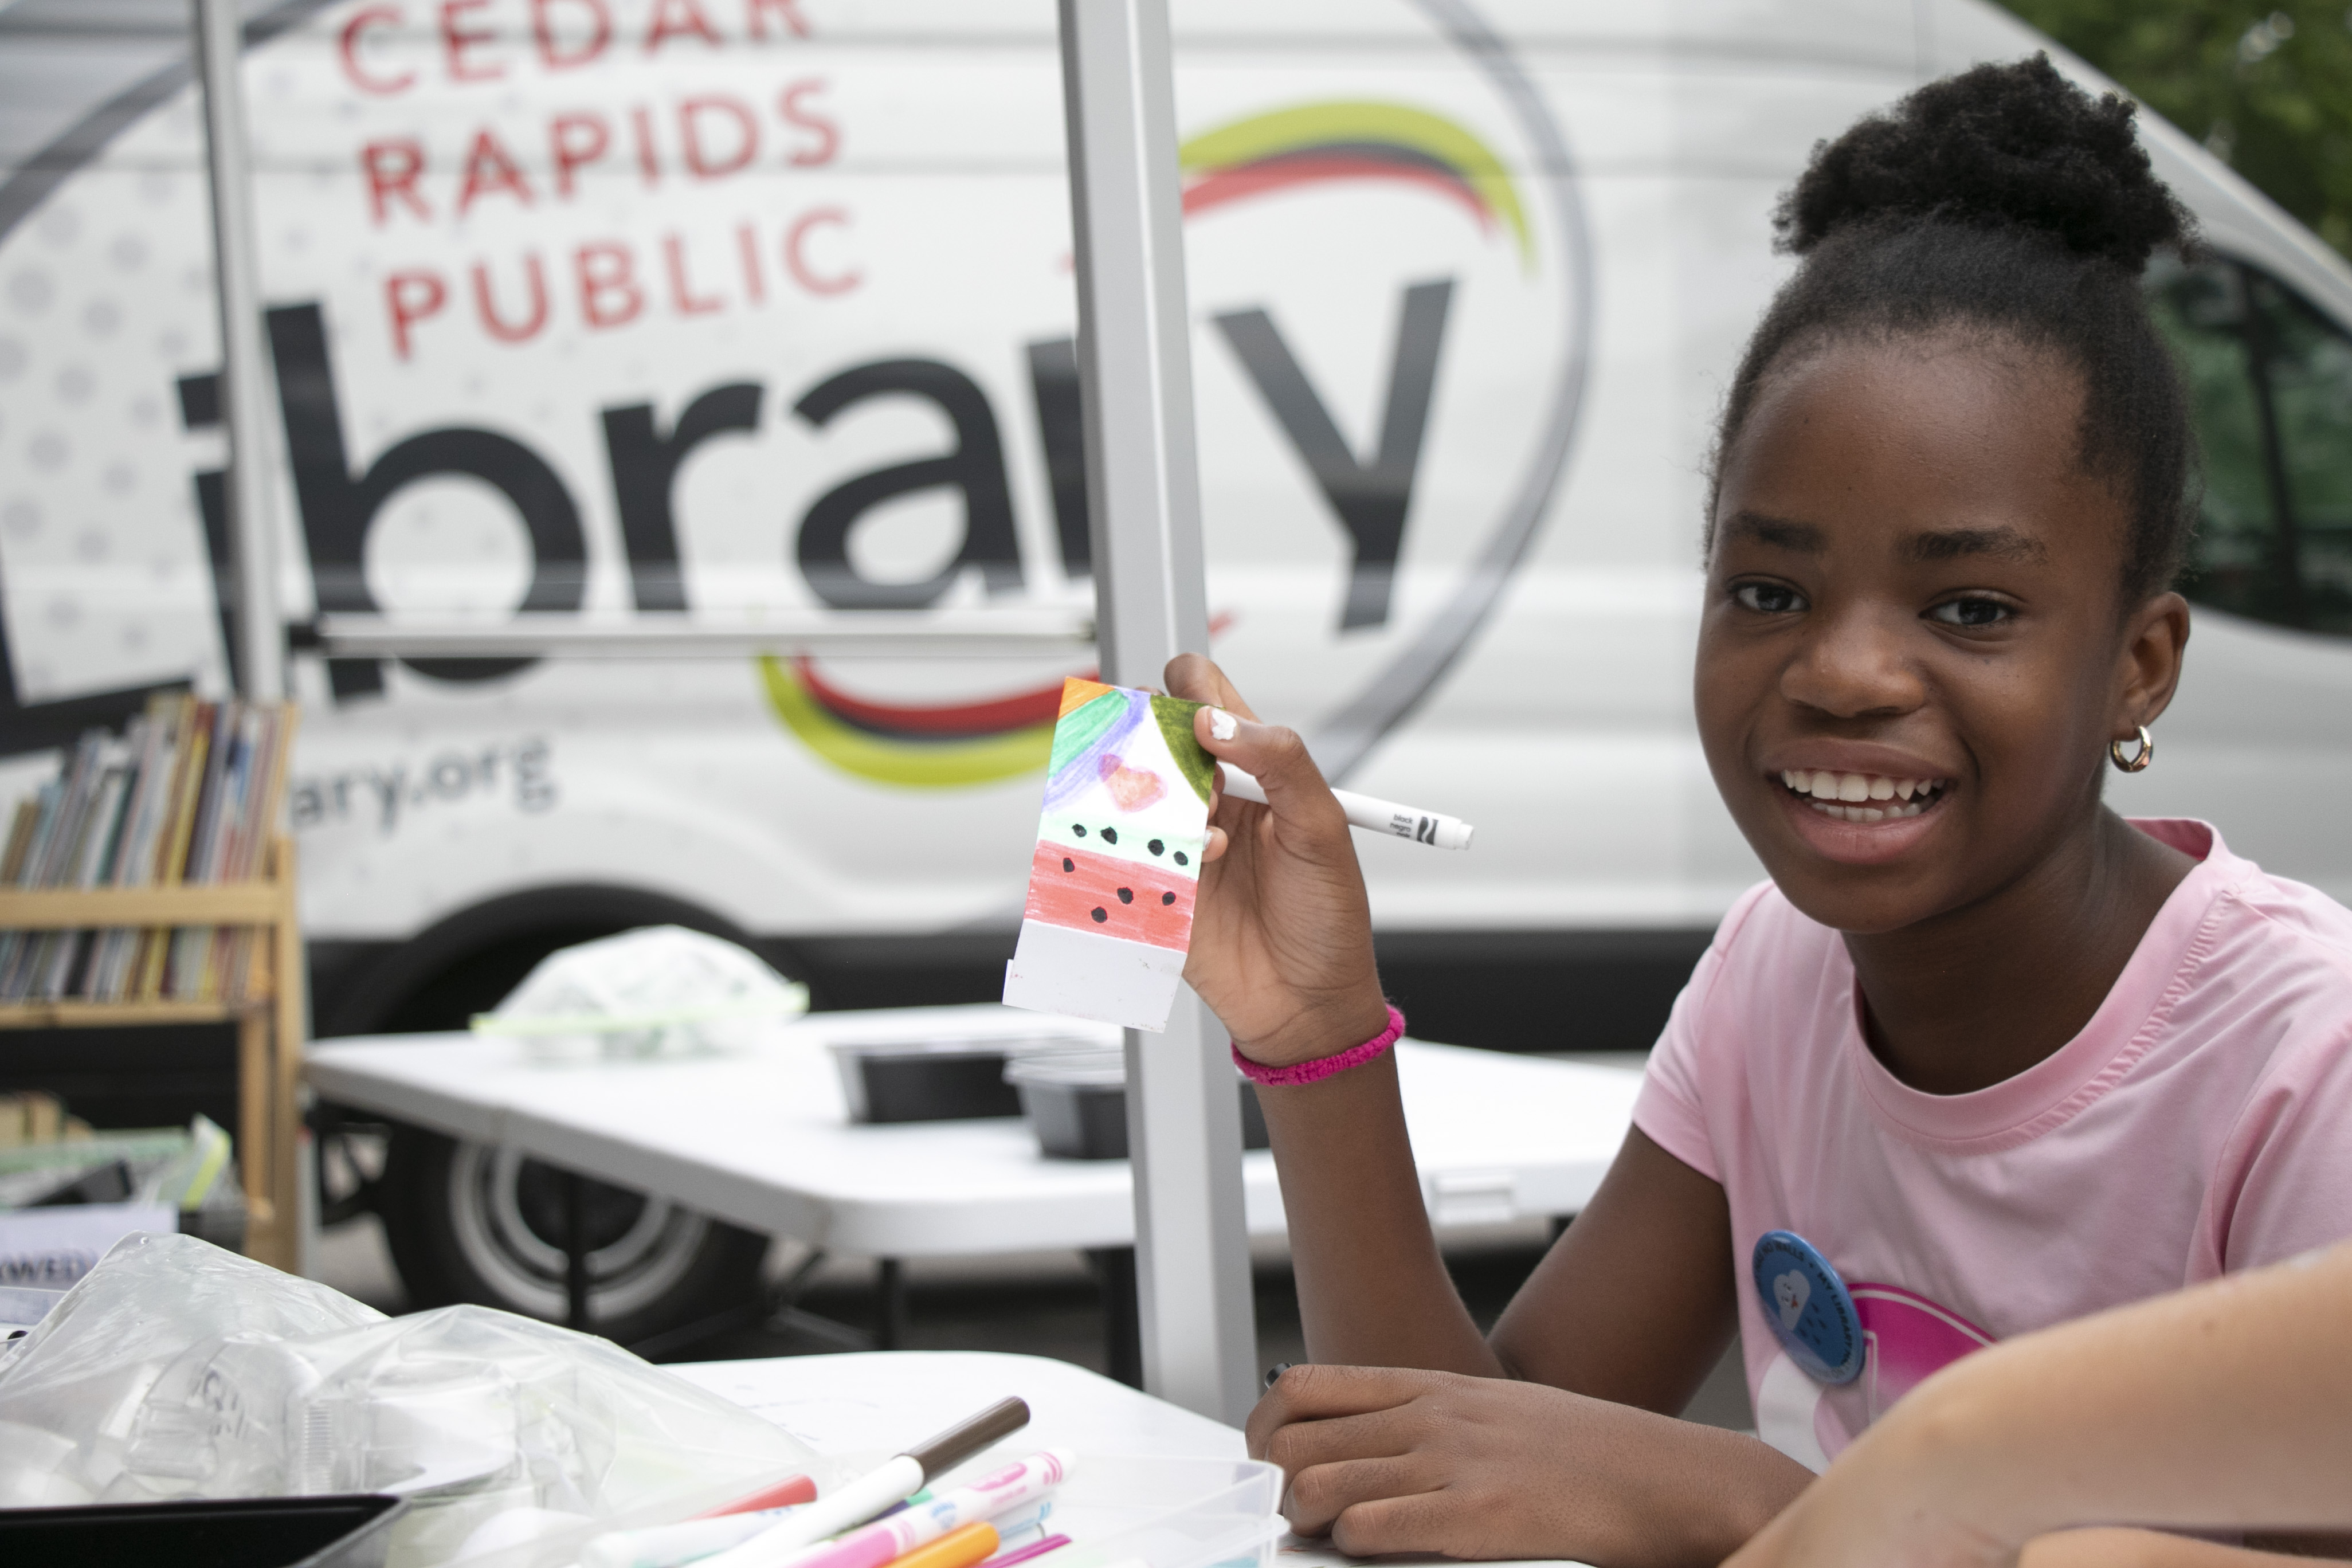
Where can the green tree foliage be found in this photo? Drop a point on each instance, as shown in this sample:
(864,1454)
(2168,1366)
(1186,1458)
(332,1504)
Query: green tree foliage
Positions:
(2268,88)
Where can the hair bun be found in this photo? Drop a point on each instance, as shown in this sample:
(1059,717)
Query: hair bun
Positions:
(1999,144)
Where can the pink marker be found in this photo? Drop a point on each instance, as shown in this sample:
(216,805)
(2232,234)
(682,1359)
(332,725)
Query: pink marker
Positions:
(786,1493)
(998,1492)
(1023,1554)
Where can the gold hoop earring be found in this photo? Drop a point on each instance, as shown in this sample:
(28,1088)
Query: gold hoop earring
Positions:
(2146,752)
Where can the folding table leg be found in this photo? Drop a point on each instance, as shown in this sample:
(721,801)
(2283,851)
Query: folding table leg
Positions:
(1122,1321)
(891,1283)
(785,1314)
(577,1312)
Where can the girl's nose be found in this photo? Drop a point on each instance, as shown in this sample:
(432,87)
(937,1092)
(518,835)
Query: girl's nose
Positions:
(1854,666)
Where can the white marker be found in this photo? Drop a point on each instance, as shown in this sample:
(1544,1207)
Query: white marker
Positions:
(1373,816)
(784,1533)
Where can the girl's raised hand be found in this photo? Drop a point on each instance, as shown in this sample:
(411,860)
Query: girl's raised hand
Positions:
(1282,933)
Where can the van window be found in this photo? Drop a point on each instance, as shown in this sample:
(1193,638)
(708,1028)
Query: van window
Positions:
(2271,383)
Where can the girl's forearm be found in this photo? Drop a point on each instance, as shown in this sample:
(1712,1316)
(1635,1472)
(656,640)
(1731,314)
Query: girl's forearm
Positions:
(1372,1288)
(2097,1548)
(2227,1404)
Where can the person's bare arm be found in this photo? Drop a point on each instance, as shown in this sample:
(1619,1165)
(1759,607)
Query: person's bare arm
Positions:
(1637,1301)
(1372,1290)
(1413,1432)
(1559,1441)
(2229,1405)
(2116,1548)
(1634,1305)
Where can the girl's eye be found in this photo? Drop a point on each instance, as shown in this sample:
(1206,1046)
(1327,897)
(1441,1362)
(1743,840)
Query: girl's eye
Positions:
(1971,612)
(1769,598)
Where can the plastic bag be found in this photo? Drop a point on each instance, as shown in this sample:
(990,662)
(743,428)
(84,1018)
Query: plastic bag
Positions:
(177,1370)
(657,991)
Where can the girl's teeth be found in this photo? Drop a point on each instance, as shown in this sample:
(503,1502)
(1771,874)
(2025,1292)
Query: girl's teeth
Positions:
(1865,813)
(1847,788)
(1832,794)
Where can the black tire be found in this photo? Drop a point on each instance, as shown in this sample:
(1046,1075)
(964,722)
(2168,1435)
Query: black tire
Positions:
(467,1222)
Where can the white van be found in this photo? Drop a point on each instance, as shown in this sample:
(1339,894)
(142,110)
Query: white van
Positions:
(712,314)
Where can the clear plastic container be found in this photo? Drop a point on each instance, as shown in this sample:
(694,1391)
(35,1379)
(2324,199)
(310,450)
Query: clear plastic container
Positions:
(1171,1512)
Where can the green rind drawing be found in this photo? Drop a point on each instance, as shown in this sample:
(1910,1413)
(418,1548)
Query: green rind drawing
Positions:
(1175,716)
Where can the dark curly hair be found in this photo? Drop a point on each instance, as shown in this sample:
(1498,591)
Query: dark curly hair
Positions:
(2004,200)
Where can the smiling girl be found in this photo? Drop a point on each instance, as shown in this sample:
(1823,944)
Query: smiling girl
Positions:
(1981,1056)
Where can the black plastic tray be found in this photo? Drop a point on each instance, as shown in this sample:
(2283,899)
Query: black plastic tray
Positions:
(1081,1113)
(931,1080)
(239,1532)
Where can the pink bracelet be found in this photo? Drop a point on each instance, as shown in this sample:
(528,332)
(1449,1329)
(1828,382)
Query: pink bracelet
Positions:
(1320,1068)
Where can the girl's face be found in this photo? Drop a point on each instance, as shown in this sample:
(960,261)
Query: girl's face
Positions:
(1911,661)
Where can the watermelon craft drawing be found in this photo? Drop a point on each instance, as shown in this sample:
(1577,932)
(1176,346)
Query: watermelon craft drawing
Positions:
(1111,883)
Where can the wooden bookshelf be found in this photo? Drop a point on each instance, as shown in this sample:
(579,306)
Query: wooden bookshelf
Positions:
(270,1021)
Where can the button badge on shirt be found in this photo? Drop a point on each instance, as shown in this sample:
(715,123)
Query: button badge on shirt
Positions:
(1807,1305)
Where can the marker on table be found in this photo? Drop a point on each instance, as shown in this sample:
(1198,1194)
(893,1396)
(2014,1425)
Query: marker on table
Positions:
(790,1492)
(998,1492)
(675,1545)
(956,1549)
(1373,815)
(853,1504)
(1034,1549)
(672,1545)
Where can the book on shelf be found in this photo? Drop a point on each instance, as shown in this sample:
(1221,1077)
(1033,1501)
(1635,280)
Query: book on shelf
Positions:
(191,793)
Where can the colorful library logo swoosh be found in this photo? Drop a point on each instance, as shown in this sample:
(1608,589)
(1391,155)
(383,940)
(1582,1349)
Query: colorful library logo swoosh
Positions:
(931,747)
(921,745)
(1312,143)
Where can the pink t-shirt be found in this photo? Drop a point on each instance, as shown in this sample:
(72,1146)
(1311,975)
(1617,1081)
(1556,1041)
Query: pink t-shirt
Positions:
(2201,1123)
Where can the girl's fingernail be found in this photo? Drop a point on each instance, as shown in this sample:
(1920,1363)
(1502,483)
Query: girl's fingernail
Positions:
(1223,725)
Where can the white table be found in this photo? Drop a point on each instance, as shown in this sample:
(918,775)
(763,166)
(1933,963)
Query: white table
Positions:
(762,1138)
(880,1402)
(866,1407)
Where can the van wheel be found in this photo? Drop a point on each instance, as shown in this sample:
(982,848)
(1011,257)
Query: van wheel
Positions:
(467,1222)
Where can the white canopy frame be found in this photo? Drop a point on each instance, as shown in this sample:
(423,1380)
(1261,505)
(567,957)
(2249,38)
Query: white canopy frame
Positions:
(1143,499)
(260,660)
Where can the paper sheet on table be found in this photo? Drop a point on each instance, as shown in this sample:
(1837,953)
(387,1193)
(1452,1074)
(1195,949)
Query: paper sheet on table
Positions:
(1109,916)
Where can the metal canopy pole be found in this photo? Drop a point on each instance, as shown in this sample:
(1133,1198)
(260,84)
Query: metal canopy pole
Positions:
(260,655)
(1134,374)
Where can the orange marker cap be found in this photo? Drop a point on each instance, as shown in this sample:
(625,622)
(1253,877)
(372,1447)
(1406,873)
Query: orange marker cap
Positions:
(956,1549)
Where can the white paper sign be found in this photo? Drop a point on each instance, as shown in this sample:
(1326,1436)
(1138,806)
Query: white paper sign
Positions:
(49,1249)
